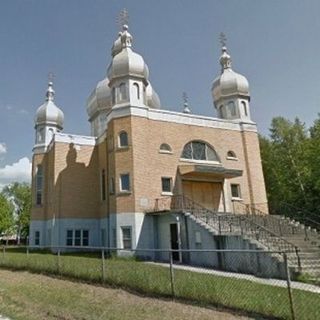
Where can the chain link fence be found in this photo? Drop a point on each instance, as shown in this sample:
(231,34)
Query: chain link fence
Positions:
(250,281)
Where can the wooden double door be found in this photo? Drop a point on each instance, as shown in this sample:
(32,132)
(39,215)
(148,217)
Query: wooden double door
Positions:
(207,194)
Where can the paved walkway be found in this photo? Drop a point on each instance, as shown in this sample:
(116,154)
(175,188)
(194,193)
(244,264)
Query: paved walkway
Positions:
(271,282)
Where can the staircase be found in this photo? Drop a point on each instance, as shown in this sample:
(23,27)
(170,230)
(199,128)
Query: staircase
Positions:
(271,232)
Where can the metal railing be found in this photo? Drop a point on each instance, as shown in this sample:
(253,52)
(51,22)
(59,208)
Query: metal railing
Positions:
(243,224)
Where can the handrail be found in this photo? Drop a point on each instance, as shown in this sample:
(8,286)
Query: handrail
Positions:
(221,221)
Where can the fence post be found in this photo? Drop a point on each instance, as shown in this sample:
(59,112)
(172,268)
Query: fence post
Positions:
(3,251)
(103,266)
(58,258)
(289,286)
(172,275)
(219,224)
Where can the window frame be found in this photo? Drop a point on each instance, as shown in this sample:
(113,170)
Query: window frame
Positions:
(39,179)
(124,240)
(166,192)
(207,146)
(238,188)
(37,238)
(231,155)
(77,237)
(121,189)
(168,149)
(120,142)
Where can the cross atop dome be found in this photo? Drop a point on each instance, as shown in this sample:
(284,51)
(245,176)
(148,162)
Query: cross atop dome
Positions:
(50,92)
(123,18)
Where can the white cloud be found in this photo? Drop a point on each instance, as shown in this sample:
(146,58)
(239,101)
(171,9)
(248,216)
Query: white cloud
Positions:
(3,148)
(19,171)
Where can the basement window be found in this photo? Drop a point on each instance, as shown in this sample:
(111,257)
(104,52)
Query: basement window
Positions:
(37,238)
(126,237)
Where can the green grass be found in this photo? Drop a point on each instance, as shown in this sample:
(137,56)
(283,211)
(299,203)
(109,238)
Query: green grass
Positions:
(154,280)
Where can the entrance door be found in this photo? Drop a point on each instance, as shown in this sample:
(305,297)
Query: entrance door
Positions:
(174,239)
(207,194)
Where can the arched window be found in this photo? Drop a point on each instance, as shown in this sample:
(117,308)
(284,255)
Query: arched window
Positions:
(232,108)
(244,105)
(198,150)
(137,90)
(165,148)
(123,139)
(39,185)
(122,92)
(231,154)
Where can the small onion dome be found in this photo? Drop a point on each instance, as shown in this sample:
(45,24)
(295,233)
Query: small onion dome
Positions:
(117,46)
(49,113)
(126,62)
(100,98)
(152,98)
(229,83)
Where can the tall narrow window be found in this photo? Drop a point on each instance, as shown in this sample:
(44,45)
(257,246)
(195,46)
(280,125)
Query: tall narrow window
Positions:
(235,191)
(103,185)
(39,185)
(113,95)
(126,237)
(124,182)
(245,110)
(122,92)
(77,238)
(166,184)
(85,238)
(123,139)
(232,108)
(37,238)
(137,90)
(69,239)
(111,186)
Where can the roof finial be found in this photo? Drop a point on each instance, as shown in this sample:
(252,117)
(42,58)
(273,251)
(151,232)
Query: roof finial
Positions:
(223,39)
(50,92)
(225,59)
(186,108)
(123,18)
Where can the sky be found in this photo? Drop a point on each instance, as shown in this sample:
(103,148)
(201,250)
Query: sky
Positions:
(273,43)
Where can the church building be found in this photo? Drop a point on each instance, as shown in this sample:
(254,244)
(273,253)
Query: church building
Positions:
(128,184)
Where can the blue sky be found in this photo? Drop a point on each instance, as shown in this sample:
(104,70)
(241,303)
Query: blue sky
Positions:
(273,43)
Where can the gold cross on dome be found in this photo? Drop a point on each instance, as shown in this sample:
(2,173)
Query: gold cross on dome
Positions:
(123,17)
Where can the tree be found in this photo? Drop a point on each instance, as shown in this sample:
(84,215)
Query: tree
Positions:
(20,196)
(285,164)
(6,215)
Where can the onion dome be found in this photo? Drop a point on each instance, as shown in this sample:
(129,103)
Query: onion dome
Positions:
(229,83)
(117,46)
(100,98)
(152,98)
(126,62)
(49,113)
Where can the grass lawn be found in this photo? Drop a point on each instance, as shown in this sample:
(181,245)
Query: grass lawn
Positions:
(25,296)
(154,280)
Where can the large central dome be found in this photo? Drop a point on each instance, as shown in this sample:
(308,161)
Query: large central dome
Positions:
(125,63)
